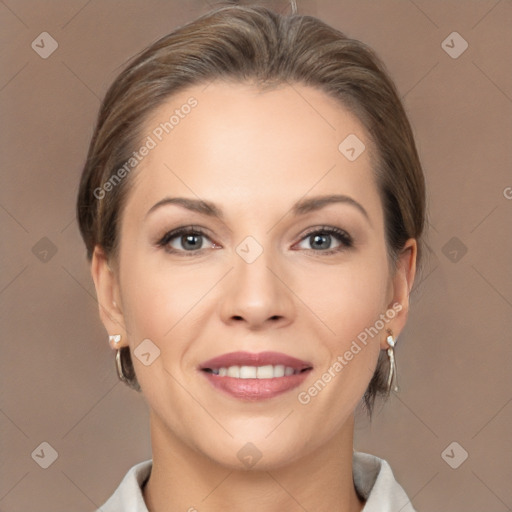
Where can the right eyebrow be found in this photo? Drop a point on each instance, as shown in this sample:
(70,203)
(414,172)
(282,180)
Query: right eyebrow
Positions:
(195,205)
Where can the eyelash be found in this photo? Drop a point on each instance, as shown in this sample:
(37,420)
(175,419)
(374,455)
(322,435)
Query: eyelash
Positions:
(342,236)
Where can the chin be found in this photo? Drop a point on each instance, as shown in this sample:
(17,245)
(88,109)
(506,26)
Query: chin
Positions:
(256,452)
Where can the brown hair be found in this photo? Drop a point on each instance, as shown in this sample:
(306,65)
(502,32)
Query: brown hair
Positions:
(255,44)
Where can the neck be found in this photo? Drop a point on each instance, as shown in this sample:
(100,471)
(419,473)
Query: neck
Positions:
(183,479)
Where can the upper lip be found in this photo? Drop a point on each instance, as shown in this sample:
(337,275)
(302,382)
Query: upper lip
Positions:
(254,359)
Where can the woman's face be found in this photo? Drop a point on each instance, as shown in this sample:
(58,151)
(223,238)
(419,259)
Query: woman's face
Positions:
(263,264)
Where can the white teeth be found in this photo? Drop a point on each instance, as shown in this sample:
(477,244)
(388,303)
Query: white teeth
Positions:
(233,371)
(265,372)
(247,372)
(255,372)
(279,370)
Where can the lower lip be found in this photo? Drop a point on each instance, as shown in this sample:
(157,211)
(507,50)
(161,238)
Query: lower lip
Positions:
(256,389)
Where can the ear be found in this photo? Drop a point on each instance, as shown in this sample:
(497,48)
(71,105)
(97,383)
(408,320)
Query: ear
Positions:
(108,294)
(401,285)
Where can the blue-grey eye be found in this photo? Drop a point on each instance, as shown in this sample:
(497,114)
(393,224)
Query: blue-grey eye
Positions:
(319,241)
(326,239)
(190,242)
(184,240)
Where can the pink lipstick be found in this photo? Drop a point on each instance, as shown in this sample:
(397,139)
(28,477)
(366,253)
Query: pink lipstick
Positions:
(250,376)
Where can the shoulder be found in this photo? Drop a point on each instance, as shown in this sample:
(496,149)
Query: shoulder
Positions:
(128,496)
(375,482)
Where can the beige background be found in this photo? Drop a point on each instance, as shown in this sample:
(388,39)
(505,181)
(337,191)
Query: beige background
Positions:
(58,383)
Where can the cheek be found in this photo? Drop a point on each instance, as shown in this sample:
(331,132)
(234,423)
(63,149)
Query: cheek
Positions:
(157,298)
(158,304)
(348,297)
(351,306)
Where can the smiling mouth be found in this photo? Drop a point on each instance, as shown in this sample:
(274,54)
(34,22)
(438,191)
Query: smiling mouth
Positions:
(256,372)
(255,383)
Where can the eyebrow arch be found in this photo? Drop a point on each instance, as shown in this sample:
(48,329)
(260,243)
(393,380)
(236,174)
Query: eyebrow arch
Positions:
(300,208)
(318,202)
(195,205)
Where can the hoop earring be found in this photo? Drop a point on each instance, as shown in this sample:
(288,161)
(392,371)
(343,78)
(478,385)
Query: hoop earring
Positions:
(119,367)
(392,376)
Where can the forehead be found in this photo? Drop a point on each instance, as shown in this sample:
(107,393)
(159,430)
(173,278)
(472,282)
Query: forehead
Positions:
(231,141)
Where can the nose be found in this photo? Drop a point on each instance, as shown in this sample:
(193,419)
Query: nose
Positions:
(256,295)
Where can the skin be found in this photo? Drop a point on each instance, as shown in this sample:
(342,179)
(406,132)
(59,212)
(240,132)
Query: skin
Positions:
(254,154)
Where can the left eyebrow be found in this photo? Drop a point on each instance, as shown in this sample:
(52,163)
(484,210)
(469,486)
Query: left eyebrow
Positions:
(316,203)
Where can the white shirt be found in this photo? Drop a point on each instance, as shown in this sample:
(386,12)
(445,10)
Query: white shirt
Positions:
(373,480)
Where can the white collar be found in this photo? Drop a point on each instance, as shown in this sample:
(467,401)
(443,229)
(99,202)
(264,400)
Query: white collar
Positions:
(373,480)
